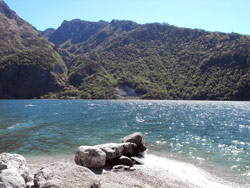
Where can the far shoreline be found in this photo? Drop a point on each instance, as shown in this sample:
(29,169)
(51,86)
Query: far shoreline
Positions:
(127,99)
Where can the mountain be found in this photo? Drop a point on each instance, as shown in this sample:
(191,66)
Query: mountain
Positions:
(121,59)
(47,33)
(29,66)
(156,61)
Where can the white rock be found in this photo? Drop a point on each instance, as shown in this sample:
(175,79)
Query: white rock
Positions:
(114,150)
(91,157)
(10,178)
(65,175)
(138,139)
(16,162)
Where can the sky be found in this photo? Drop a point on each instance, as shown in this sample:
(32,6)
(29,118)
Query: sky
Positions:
(211,15)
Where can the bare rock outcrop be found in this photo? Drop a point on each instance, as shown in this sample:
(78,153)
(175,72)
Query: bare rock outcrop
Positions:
(91,157)
(65,175)
(10,178)
(111,153)
(116,150)
(138,139)
(13,171)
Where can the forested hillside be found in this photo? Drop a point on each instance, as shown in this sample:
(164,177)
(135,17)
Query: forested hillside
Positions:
(101,60)
(29,66)
(158,61)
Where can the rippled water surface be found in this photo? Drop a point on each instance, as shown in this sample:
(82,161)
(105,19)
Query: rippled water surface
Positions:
(212,135)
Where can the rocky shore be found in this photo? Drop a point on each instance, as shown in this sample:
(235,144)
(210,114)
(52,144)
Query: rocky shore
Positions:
(112,165)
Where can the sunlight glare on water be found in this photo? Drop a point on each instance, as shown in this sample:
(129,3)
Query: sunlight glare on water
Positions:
(206,134)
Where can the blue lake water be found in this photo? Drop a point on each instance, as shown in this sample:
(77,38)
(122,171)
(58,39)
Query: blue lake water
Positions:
(214,136)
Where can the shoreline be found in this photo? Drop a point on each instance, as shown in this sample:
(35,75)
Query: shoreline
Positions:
(125,99)
(152,174)
(129,179)
(188,132)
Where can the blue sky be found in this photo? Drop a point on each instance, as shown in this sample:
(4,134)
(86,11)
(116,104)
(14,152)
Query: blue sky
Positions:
(211,15)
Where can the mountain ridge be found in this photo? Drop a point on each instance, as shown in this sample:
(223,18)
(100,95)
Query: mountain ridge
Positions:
(29,67)
(93,60)
(180,52)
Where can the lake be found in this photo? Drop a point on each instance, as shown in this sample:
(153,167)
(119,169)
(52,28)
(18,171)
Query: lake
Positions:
(210,136)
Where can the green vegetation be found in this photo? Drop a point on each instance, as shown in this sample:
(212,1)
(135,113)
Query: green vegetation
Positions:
(90,60)
(163,62)
(29,66)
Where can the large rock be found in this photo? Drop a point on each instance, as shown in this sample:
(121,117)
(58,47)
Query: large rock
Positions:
(10,178)
(114,150)
(91,157)
(138,139)
(16,163)
(65,175)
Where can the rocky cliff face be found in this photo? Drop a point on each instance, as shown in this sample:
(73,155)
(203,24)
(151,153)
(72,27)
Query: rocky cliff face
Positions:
(79,36)
(29,67)
(76,30)
(30,74)
(5,10)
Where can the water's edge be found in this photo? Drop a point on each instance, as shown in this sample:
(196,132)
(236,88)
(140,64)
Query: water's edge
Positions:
(197,136)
